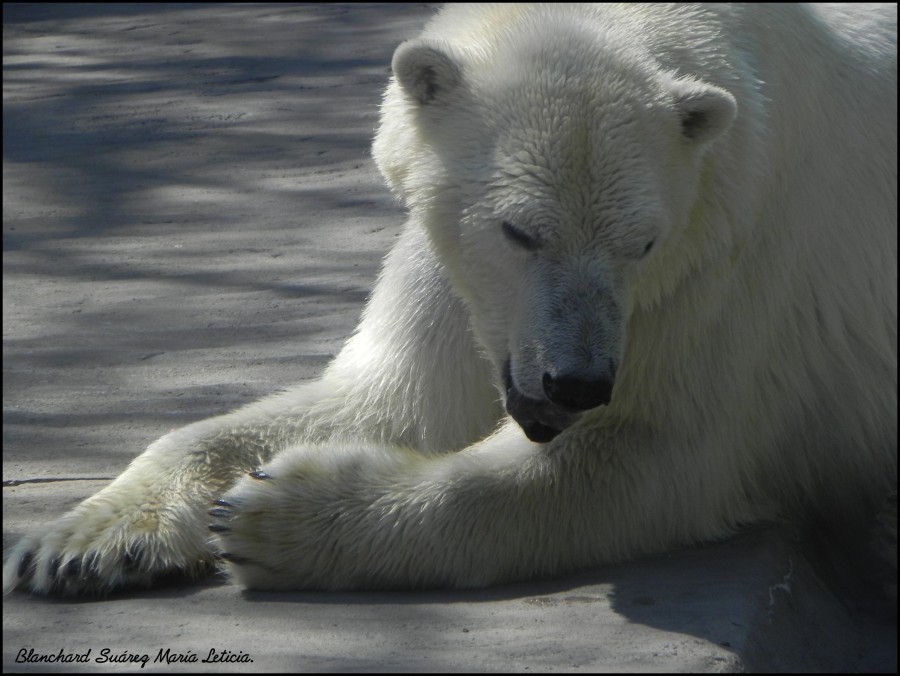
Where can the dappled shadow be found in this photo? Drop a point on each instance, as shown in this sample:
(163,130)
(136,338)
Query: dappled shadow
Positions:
(189,206)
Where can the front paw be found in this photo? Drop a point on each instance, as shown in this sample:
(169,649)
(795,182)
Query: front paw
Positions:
(101,546)
(309,523)
(256,524)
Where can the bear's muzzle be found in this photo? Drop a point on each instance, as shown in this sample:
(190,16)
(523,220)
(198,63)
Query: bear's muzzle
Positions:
(543,419)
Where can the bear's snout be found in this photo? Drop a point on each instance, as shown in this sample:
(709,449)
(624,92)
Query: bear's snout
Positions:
(543,419)
(577,394)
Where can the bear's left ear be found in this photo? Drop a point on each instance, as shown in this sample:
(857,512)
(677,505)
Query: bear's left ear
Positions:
(425,70)
(706,111)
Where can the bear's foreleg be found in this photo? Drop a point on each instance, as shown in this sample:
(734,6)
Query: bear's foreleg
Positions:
(361,517)
(149,521)
(505,509)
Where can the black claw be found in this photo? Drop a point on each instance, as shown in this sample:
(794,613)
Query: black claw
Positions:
(54,567)
(218,528)
(223,503)
(220,512)
(259,474)
(25,563)
(234,558)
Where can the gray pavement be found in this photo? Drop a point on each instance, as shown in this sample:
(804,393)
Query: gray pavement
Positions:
(192,219)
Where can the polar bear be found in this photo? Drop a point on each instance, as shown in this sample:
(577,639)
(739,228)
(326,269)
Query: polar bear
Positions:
(646,295)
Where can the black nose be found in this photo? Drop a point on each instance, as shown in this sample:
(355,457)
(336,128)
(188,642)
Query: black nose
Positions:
(577,394)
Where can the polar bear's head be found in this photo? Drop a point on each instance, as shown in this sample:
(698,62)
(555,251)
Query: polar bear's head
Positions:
(549,170)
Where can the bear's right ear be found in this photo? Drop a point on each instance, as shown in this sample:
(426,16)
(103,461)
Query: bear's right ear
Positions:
(425,71)
(706,111)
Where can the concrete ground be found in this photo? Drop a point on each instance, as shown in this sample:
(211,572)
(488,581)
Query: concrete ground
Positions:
(191,220)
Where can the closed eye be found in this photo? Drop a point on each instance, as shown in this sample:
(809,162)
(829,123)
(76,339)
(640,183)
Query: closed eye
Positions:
(519,238)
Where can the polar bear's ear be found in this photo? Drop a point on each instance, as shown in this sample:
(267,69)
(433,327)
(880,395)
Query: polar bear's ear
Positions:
(706,111)
(425,71)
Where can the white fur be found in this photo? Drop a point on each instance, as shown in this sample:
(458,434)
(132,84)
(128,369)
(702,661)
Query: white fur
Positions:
(752,348)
